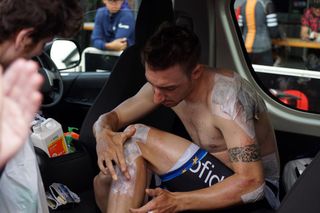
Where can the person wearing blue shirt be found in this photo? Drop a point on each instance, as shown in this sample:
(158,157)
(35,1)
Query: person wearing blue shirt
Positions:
(114,26)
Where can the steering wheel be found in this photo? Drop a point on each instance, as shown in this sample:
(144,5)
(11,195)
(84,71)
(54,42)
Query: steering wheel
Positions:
(52,88)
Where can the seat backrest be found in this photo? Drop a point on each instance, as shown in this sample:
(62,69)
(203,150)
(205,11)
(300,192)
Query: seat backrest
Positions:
(128,77)
(95,60)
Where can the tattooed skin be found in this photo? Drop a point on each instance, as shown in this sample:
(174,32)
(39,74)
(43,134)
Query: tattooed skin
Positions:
(248,153)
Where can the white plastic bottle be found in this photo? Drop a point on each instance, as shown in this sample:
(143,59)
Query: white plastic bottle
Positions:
(49,137)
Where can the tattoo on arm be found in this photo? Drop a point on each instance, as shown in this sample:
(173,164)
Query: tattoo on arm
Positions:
(248,153)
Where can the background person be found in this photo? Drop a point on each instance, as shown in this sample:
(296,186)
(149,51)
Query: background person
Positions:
(310,28)
(114,26)
(258,21)
(310,21)
(23,36)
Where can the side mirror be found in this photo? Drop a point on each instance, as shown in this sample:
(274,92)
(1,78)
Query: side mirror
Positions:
(65,54)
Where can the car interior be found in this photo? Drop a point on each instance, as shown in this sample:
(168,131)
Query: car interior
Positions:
(77,99)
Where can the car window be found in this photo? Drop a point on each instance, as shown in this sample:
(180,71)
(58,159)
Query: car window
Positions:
(95,56)
(281,41)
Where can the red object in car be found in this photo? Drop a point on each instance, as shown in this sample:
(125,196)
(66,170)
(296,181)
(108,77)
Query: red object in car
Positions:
(302,101)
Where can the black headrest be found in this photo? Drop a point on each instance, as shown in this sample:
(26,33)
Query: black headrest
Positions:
(182,18)
(150,16)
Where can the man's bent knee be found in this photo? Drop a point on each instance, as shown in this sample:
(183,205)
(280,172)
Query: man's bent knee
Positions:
(101,180)
(141,134)
(131,147)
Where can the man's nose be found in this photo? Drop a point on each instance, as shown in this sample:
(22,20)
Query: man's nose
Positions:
(158,97)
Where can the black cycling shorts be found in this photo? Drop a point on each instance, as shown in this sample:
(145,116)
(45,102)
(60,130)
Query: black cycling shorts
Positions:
(201,171)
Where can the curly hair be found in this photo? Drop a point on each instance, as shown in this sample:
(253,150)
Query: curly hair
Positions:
(48,18)
(172,45)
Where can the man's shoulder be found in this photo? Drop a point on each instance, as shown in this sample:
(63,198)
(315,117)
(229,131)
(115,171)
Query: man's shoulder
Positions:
(222,71)
(232,92)
(126,13)
(308,12)
(231,84)
(146,91)
(102,11)
(223,79)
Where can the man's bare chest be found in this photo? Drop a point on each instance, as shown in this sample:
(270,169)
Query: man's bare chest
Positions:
(202,127)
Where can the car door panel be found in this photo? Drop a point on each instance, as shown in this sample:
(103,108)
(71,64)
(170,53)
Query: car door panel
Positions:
(80,91)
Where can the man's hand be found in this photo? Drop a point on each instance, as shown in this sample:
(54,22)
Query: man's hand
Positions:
(110,152)
(118,44)
(19,100)
(163,202)
(304,33)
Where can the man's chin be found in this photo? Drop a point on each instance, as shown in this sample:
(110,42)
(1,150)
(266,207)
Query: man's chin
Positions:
(169,104)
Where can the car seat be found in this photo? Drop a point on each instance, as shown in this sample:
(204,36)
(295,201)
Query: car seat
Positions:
(96,60)
(304,194)
(293,170)
(128,77)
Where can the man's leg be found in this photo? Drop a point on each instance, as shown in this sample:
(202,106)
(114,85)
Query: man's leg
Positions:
(118,196)
(121,200)
(149,147)
(125,194)
(101,184)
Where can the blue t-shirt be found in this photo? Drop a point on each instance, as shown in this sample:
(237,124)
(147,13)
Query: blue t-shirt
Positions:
(109,27)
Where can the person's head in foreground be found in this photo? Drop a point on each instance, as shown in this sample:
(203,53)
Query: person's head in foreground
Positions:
(26,25)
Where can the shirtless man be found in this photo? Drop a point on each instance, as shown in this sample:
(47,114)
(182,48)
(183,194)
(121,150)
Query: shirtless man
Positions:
(231,160)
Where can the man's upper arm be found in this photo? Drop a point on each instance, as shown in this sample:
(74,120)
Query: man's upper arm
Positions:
(241,146)
(244,154)
(236,111)
(136,107)
(272,20)
(97,39)
(125,26)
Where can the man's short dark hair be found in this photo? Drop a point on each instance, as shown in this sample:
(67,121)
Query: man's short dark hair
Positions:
(48,18)
(172,45)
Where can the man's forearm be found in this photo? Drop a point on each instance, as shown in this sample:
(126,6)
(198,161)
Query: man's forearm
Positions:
(108,121)
(221,195)
(304,32)
(113,46)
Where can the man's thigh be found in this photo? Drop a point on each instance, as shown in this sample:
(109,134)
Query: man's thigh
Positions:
(159,148)
(170,155)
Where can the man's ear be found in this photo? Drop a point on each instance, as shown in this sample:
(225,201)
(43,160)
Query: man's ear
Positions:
(196,72)
(23,38)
